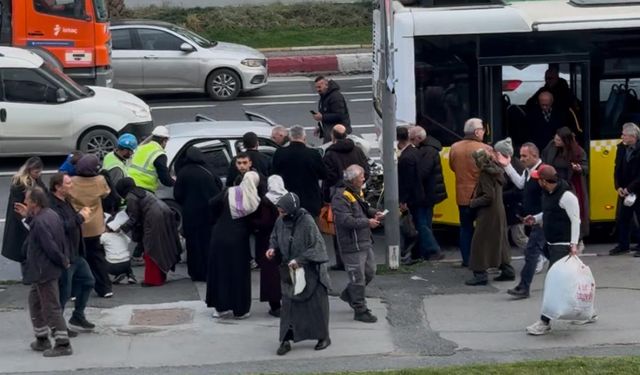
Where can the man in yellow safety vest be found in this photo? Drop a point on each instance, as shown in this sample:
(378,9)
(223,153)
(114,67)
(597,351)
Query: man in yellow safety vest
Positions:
(148,166)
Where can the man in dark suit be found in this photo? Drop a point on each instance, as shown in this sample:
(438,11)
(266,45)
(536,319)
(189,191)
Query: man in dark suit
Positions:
(626,177)
(546,118)
(301,169)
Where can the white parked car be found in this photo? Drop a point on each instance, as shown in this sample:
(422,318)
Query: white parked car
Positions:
(44,112)
(154,57)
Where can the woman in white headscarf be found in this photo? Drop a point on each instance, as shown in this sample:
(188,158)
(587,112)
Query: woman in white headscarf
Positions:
(229,276)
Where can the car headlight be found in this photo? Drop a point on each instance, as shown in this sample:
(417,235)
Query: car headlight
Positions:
(254,63)
(138,110)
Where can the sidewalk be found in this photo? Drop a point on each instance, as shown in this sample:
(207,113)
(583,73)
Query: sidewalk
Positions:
(348,59)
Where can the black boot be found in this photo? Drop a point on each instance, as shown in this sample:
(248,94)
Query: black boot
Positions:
(479,278)
(507,274)
(365,317)
(61,348)
(323,344)
(285,347)
(41,344)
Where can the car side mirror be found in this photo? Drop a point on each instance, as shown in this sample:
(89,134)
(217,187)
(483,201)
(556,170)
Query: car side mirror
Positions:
(186,47)
(61,96)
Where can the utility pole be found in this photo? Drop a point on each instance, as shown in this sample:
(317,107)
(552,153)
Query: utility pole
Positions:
(388,105)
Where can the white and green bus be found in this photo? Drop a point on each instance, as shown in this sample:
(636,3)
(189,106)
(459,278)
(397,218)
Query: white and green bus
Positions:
(456,59)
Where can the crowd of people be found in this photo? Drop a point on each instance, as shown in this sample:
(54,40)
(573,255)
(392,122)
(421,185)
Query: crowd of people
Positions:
(78,233)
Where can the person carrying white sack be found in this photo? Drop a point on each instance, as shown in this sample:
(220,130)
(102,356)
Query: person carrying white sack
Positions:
(560,219)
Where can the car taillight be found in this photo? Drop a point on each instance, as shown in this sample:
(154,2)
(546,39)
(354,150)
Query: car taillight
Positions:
(511,85)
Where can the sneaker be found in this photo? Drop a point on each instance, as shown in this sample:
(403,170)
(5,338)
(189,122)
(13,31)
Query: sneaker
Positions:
(242,317)
(618,251)
(365,317)
(119,279)
(108,295)
(222,314)
(81,322)
(539,328)
(518,293)
(132,279)
(477,280)
(58,351)
(542,261)
(253,264)
(41,344)
(593,319)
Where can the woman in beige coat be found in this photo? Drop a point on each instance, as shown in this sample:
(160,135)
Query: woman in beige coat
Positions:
(87,190)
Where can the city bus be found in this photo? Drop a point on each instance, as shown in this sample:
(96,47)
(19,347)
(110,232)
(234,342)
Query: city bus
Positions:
(457,59)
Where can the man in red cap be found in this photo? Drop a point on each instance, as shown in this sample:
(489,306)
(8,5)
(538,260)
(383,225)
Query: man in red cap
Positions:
(561,217)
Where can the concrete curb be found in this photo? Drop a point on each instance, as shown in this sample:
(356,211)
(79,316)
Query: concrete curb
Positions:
(315,48)
(336,63)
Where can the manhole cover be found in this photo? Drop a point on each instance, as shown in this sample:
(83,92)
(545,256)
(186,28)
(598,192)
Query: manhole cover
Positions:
(161,317)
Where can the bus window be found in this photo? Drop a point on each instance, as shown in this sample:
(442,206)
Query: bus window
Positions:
(443,69)
(618,97)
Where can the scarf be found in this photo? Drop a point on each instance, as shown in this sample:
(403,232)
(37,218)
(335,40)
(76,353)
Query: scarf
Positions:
(244,199)
(276,189)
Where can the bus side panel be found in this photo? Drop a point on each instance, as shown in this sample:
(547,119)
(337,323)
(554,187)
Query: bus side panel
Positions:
(602,193)
(446,212)
(404,71)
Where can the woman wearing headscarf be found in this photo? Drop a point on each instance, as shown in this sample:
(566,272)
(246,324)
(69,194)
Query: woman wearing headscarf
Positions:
(229,273)
(160,238)
(296,241)
(196,184)
(570,161)
(489,246)
(87,190)
(15,233)
(262,222)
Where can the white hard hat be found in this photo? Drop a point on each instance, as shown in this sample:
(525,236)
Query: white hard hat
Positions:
(161,131)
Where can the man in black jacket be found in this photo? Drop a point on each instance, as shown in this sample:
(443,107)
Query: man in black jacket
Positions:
(259,161)
(431,181)
(626,177)
(301,169)
(47,257)
(340,155)
(409,189)
(78,276)
(332,108)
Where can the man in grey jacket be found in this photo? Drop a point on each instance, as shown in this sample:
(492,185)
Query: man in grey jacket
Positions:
(354,220)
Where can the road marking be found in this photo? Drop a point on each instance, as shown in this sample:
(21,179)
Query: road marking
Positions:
(361,100)
(279,103)
(183,106)
(3,220)
(311,79)
(275,96)
(362,87)
(10,174)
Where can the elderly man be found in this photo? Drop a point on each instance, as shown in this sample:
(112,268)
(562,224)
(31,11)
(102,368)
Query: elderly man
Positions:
(301,169)
(341,154)
(545,119)
(431,181)
(149,164)
(467,173)
(626,178)
(354,221)
(47,258)
(280,135)
(332,108)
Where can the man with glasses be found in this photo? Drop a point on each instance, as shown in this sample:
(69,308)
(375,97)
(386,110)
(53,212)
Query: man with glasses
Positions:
(467,173)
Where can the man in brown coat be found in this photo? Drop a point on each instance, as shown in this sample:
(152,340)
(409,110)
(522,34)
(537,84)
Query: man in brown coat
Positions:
(466,171)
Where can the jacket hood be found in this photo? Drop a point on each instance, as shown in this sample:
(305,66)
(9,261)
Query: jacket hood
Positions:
(194,156)
(343,146)
(333,86)
(290,203)
(431,142)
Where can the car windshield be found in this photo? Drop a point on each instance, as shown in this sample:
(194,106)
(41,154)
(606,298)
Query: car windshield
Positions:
(66,82)
(202,42)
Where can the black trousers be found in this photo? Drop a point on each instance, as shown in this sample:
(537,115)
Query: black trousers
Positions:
(96,258)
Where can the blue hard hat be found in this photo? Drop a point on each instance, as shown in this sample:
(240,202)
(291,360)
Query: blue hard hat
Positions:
(128,141)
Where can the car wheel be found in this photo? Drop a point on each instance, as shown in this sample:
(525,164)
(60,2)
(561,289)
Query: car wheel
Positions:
(98,141)
(223,84)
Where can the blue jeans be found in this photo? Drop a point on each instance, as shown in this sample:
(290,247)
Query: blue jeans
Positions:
(423,220)
(467,217)
(76,281)
(532,253)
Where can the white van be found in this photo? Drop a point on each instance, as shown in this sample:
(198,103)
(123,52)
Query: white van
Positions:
(44,112)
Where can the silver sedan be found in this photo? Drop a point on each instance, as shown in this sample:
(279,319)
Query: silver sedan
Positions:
(153,57)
